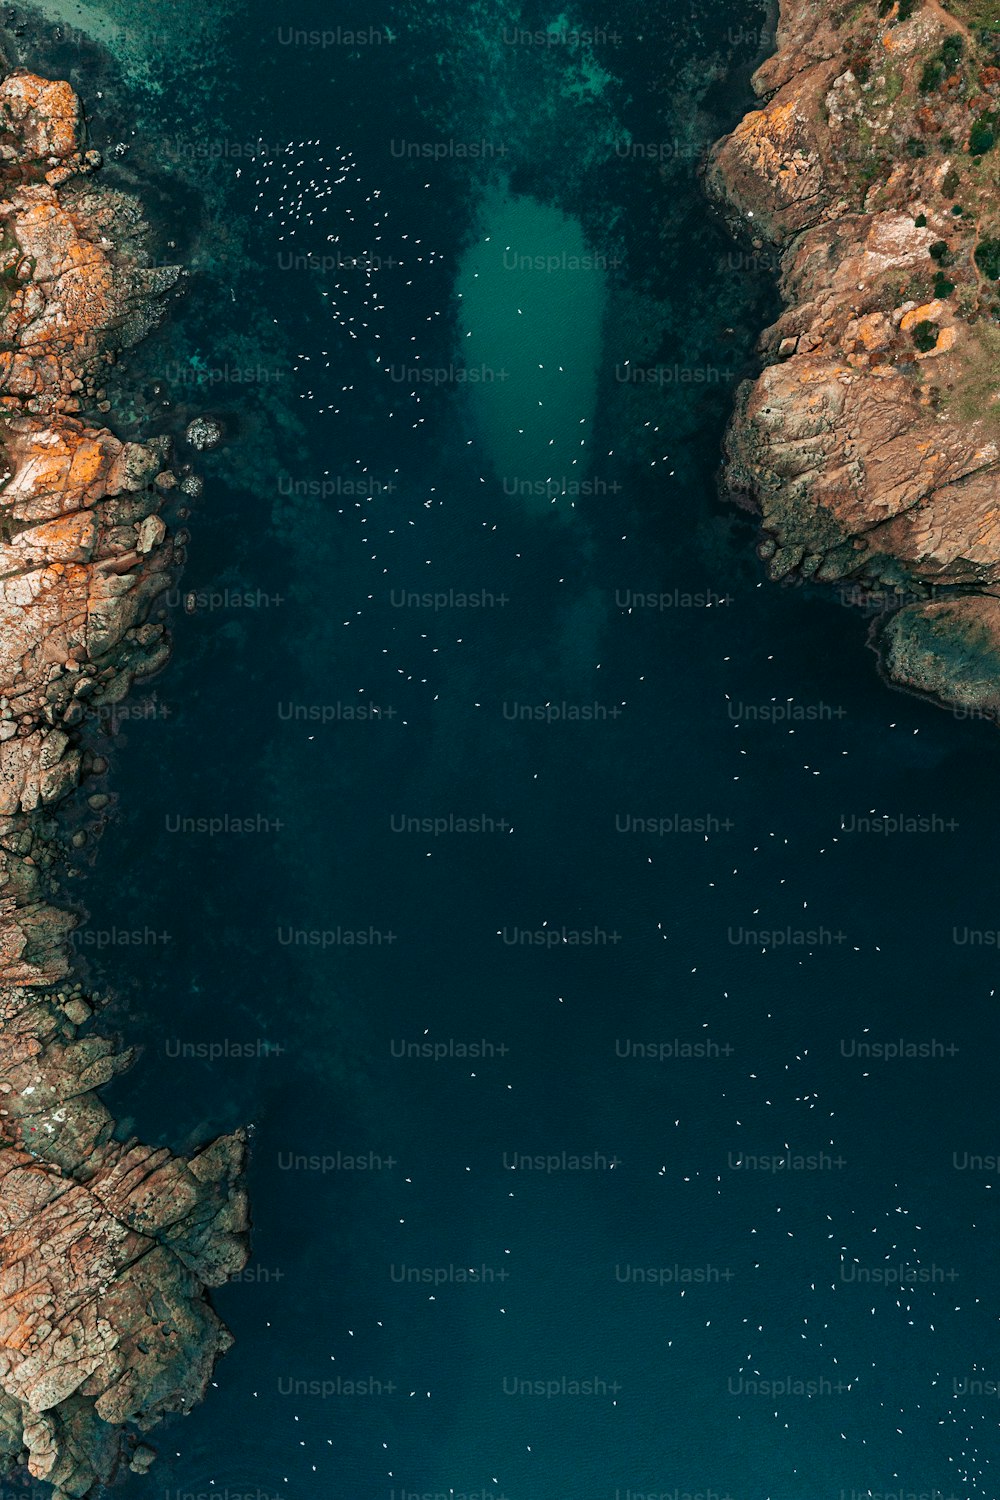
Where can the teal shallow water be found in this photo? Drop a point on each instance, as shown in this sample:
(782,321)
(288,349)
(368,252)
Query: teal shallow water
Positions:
(532,304)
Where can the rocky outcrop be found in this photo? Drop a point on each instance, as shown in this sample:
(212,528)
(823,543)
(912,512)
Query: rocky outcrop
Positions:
(870,444)
(106,1247)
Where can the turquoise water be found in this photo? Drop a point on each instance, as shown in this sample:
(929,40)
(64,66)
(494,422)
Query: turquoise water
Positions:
(532,304)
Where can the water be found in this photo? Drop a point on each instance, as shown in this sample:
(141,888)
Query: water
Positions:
(533,300)
(581,718)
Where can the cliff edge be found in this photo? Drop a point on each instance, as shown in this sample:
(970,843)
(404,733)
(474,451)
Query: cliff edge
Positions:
(870,444)
(106,1247)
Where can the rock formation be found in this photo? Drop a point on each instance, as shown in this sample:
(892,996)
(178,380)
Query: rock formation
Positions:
(870,444)
(106,1247)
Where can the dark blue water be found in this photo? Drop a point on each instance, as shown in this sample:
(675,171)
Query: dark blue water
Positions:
(650,958)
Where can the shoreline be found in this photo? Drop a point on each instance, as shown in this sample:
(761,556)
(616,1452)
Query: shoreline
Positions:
(94,1231)
(868,445)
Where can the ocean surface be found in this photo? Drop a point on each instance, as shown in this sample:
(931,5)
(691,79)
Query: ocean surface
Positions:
(603,959)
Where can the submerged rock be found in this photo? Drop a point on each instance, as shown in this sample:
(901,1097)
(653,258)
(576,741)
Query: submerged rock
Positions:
(106,1247)
(203,432)
(870,444)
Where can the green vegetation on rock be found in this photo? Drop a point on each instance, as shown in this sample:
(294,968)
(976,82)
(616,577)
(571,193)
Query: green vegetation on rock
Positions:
(943,64)
(982,137)
(925,336)
(974,397)
(988,258)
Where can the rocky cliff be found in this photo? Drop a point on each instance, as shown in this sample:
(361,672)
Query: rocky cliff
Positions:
(870,444)
(106,1247)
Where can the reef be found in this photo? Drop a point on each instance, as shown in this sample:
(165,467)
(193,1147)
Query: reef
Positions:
(106,1246)
(870,443)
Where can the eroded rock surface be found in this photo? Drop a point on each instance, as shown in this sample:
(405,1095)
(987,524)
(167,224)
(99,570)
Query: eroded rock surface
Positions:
(870,444)
(106,1247)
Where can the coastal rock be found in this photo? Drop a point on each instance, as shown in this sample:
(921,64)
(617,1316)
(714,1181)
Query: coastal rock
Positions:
(106,1246)
(870,443)
(949,648)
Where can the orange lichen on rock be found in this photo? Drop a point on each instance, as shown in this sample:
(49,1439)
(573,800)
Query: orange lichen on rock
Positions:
(860,466)
(94,1232)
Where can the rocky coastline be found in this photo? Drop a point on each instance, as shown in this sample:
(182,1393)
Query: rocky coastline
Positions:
(870,443)
(106,1246)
